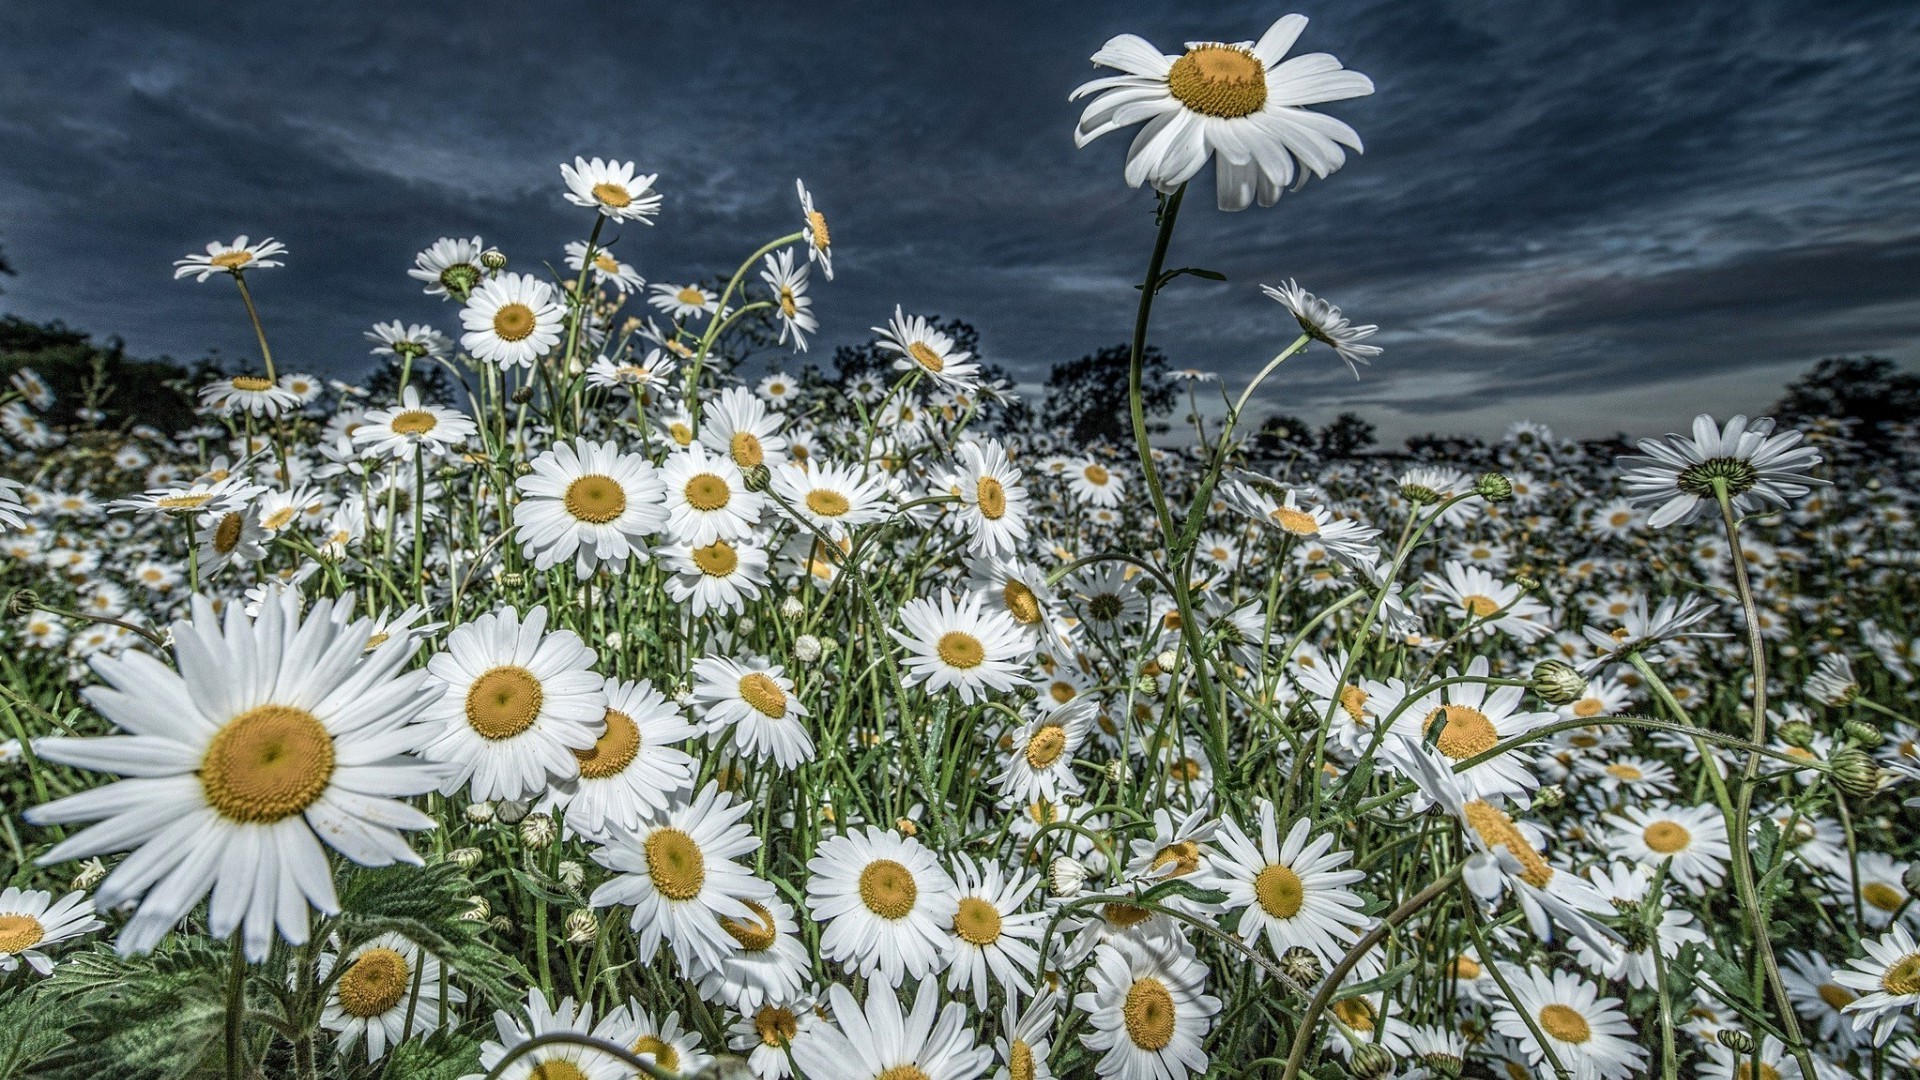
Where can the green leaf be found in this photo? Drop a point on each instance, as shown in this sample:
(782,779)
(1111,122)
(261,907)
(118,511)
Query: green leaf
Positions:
(32,1032)
(448,1055)
(424,905)
(132,1018)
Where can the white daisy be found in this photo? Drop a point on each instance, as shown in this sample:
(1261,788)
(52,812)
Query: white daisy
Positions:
(1887,980)
(993,501)
(411,342)
(667,1045)
(918,346)
(875,1042)
(556,1061)
(634,378)
(753,707)
(451,267)
(684,301)
(612,188)
(814,224)
(412,428)
(770,962)
(1149,1010)
(721,576)
(1589,1034)
(957,644)
(791,304)
(1324,323)
(635,769)
(993,940)
(376,991)
(607,270)
(707,498)
(1040,754)
(833,497)
(1677,475)
(511,320)
(884,903)
(236,258)
(589,503)
(1292,893)
(739,426)
(31,921)
(256,395)
(1693,837)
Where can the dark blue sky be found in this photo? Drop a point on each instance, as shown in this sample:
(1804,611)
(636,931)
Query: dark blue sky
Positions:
(1599,215)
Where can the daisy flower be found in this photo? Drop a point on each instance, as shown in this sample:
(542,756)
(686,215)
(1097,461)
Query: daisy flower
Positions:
(917,345)
(1149,1011)
(777,389)
(771,1032)
(1817,998)
(235,258)
(612,188)
(635,770)
(707,498)
(412,428)
(753,707)
(739,426)
(375,990)
(684,301)
(769,963)
(677,872)
(518,702)
(632,377)
(412,342)
(884,904)
(1677,476)
(11,508)
(1774,1062)
(1323,322)
(1482,601)
(875,1042)
(814,224)
(1887,981)
(722,576)
(1040,756)
(993,501)
(1293,893)
(589,503)
(665,1043)
(255,395)
(992,938)
(1588,1033)
(1639,632)
(1237,103)
(556,1061)
(833,497)
(1026,1038)
(511,320)
(450,267)
(1020,590)
(1095,484)
(31,921)
(1472,719)
(199,497)
(1694,837)
(274,736)
(791,304)
(607,270)
(957,644)
(1627,886)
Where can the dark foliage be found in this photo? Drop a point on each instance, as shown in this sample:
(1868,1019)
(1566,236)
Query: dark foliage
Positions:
(1088,396)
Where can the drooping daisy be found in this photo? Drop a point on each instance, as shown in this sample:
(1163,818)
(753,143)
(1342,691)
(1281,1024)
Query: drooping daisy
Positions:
(635,770)
(519,701)
(957,644)
(273,736)
(607,270)
(1817,998)
(1887,980)
(707,498)
(918,346)
(511,320)
(833,497)
(684,301)
(993,501)
(236,258)
(1235,103)
(722,576)
(770,962)
(31,922)
(557,1061)
(412,428)
(612,188)
(677,872)
(1021,590)
(1292,893)
(884,902)
(875,1042)
(413,342)
(589,503)
(375,991)
(993,940)
(1677,476)
(1149,1010)
(1324,323)
(450,267)
(791,304)
(753,707)
(814,224)
(1589,1034)
(1694,837)
(1477,599)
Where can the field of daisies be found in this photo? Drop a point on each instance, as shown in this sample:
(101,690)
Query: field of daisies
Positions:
(631,712)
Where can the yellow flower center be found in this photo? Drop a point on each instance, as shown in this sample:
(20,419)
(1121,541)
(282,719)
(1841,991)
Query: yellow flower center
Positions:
(1182,855)
(1355,1012)
(817,230)
(414,422)
(757,935)
(278,519)
(1836,997)
(1297,522)
(1279,891)
(232,260)
(1021,603)
(1354,701)
(992,498)
(1125,916)
(1019,1061)
(19,933)
(1903,977)
(504,702)
(776,1025)
(1226,81)
(707,492)
(926,357)
(1149,1014)
(664,1055)
(1882,895)
(1479,606)
(1666,837)
(746,450)
(1745,1072)
(267,764)
(1046,746)
(828,503)
(760,691)
(1468,731)
(227,534)
(596,499)
(681,433)
(183,502)
(513,322)
(252,384)
(961,650)
(613,751)
(1497,830)
(1466,967)
(612,195)
(1564,1024)
(1096,475)
(976,921)
(888,889)
(675,864)
(903,1072)
(1583,709)
(717,559)
(692,297)
(787,305)
(374,983)
(557,1069)
(1623,771)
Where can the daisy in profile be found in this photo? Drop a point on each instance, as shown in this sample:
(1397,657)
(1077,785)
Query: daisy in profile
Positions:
(721,576)
(518,701)
(635,770)
(669,1046)
(833,497)
(875,1042)
(707,498)
(753,707)
(450,267)
(1693,837)
(1293,893)
(236,258)
(612,188)
(1640,632)
(1588,1033)
(31,922)
(412,428)
(884,903)
(739,426)
(1678,477)
(1040,758)
(511,320)
(1026,1038)
(557,1061)
(633,377)
(1238,104)
(956,644)
(1149,1010)
(1324,323)
(677,872)
(993,940)
(791,304)
(684,302)
(414,342)
(814,224)
(918,346)
(255,395)
(1628,887)
(993,501)
(607,270)
(374,991)
(1887,981)
(1775,1062)
(588,503)
(770,961)
(275,736)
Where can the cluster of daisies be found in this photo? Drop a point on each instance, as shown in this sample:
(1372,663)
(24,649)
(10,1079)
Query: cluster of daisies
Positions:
(837,729)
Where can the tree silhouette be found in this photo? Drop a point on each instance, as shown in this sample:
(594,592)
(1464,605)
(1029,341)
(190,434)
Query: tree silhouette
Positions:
(1869,390)
(1088,396)
(1347,435)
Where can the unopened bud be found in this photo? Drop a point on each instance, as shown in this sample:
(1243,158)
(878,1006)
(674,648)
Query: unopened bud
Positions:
(582,927)
(1797,733)
(494,259)
(93,870)
(537,830)
(501,924)
(1169,660)
(512,579)
(1371,1061)
(23,603)
(570,873)
(1735,1040)
(745,624)
(806,648)
(480,813)
(522,394)
(465,858)
(1300,964)
(1550,796)
(478,909)
(615,639)
(1146,685)
(906,826)
(1493,487)
(1116,770)
(1854,773)
(1065,876)
(1862,734)
(756,477)
(1557,682)
(792,608)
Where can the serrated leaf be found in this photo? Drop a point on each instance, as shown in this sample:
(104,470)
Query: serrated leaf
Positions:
(447,1055)
(32,1032)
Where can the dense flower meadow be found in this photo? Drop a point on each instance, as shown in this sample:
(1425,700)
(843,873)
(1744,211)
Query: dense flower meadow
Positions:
(639,710)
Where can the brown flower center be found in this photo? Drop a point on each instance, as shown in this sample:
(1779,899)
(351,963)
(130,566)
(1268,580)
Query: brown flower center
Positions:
(760,691)
(1297,522)
(18,933)
(1496,830)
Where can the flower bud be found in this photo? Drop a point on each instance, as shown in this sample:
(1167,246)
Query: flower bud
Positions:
(570,873)
(478,911)
(1371,1061)
(93,870)
(1301,965)
(1735,1040)
(538,830)
(1116,770)
(501,924)
(1862,734)
(1168,660)
(582,927)
(510,811)
(1557,682)
(615,639)
(480,813)
(791,608)
(494,259)
(1549,796)
(23,603)
(1493,487)
(1146,686)
(1854,773)
(521,395)
(1797,733)
(806,648)
(756,477)
(1066,875)
(465,858)
(745,624)
(906,826)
